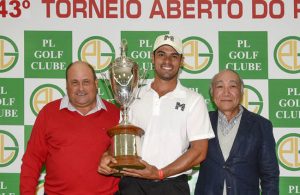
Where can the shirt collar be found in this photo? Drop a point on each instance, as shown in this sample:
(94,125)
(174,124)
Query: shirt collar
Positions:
(223,118)
(224,126)
(65,103)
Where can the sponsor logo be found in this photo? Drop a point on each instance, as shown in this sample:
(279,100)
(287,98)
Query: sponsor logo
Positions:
(287,54)
(9,148)
(11,101)
(47,53)
(198,55)
(284,102)
(252,99)
(288,151)
(244,52)
(44,94)
(97,51)
(9,54)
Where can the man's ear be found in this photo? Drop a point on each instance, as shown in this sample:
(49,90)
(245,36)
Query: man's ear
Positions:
(96,82)
(182,61)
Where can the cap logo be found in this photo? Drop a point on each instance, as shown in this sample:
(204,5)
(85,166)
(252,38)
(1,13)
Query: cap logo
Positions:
(169,37)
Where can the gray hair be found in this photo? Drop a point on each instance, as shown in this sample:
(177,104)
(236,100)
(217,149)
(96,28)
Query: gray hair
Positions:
(241,82)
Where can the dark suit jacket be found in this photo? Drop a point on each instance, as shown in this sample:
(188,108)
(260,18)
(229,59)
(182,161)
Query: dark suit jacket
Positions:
(251,163)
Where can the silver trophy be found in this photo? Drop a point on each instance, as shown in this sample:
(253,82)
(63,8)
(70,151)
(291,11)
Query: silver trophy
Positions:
(126,138)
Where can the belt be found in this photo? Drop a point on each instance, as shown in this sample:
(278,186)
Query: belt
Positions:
(182,177)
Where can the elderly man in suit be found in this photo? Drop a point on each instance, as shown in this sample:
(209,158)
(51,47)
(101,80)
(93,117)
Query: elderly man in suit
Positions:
(241,160)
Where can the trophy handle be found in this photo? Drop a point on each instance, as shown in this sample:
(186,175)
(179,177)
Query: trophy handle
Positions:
(142,80)
(105,79)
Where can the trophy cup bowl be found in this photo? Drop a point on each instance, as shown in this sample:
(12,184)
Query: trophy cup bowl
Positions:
(126,138)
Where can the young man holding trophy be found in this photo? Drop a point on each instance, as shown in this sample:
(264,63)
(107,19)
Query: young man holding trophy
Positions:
(176,128)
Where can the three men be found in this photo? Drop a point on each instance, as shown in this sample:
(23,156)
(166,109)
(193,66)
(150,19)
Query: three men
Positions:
(177,129)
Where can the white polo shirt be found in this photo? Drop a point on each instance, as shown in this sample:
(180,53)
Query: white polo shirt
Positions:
(169,122)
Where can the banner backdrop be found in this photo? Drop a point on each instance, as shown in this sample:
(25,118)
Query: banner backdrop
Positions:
(260,39)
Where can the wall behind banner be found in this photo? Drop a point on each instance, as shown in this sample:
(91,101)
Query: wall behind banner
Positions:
(259,39)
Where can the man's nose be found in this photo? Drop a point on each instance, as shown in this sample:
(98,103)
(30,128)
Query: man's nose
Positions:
(168,59)
(81,86)
(226,90)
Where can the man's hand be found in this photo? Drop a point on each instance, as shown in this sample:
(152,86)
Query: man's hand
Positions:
(150,172)
(103,167)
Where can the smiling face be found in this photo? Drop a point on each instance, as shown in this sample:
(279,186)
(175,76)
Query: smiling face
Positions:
(166,63)
(82,87)
(227,92)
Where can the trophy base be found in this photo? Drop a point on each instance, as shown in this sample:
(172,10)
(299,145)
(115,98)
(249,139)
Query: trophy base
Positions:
(131,162)
(126,147)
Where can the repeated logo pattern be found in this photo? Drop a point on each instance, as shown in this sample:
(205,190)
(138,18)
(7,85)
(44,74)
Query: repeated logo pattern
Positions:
(48,53)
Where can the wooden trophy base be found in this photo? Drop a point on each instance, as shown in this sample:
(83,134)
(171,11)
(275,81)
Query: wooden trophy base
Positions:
(125,147)
(131,162)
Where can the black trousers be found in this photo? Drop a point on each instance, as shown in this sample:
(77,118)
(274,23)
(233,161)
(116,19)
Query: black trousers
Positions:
(169,186)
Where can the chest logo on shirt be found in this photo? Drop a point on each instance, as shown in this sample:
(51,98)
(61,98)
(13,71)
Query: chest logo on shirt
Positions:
(180,106)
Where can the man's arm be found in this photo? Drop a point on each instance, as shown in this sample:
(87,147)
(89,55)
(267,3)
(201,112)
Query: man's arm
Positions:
(268,165)
(33,158)
(193,156)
